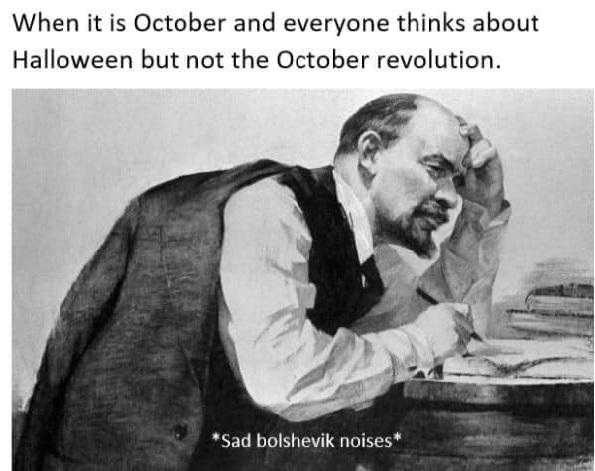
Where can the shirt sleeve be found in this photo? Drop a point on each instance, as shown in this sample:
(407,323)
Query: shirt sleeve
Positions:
(287,365)
(468,262)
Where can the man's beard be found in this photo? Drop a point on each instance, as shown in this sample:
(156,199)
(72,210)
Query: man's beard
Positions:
(414,230)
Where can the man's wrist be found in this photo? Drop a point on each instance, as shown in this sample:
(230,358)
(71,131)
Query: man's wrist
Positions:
(495,205)
(484,217)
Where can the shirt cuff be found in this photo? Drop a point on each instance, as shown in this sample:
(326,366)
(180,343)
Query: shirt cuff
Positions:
(408,349)
(424,356)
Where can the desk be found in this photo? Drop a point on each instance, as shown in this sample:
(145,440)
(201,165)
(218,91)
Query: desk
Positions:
(540,417)
(470,422)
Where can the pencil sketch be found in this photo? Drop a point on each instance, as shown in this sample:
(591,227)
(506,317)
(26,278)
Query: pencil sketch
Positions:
(354,308)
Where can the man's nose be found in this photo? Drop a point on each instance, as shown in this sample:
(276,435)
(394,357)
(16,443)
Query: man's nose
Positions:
(446,192)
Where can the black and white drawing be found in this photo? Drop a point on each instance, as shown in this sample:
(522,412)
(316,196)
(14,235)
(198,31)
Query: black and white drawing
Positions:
(300,279)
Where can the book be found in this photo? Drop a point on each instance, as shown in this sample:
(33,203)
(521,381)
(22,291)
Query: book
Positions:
(563,359)
(550,324)
(560,305)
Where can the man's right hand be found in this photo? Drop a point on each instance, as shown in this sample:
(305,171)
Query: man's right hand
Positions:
(447,327)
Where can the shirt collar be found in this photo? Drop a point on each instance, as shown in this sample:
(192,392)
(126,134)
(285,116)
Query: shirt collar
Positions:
(358,219)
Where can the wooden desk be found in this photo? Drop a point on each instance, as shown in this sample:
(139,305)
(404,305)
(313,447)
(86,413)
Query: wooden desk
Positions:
(539,417)
(472,422)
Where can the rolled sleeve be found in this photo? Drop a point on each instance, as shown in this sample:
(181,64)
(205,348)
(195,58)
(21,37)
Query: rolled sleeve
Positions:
(409,349)
(469,255)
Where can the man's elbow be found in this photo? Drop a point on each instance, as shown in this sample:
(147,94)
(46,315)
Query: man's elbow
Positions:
(269,399)
(277,400)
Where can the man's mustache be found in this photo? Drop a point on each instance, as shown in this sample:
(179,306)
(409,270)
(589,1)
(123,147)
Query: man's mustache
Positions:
(436,209)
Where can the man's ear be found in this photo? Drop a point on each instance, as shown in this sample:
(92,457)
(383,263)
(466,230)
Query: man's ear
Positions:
(368,146)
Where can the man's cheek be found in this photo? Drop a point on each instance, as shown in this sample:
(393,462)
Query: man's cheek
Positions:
(414,186)
(393,199)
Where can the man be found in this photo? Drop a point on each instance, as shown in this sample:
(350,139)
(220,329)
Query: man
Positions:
(152,353)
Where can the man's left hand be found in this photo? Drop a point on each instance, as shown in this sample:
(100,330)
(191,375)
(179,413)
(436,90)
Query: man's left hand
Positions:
(483,182)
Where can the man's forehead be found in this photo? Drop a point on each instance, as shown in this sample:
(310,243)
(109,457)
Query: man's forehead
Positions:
(439,131)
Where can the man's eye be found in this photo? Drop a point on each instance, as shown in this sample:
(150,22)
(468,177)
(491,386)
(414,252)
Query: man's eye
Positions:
(435,171)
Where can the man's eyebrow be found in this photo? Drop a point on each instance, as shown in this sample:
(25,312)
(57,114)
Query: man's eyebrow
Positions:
(442,161)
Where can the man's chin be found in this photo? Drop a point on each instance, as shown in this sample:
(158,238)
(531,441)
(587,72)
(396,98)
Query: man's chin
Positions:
(422,245)
(409,233)
(425,249)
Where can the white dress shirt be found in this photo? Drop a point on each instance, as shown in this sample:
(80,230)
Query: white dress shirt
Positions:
(287,365)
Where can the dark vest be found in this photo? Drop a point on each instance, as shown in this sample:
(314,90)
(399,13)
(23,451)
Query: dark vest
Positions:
(345,290)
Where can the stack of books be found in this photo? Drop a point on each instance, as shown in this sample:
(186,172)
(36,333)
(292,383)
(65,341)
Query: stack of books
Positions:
(556,310)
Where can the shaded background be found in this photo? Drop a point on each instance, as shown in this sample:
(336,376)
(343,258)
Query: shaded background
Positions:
(80,155)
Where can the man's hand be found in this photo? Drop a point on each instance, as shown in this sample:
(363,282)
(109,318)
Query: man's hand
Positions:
(447,327)
(483,182)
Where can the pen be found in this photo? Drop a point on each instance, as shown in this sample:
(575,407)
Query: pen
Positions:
(431,300)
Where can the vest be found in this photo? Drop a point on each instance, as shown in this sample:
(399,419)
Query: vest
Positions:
(345,290)
(125,372)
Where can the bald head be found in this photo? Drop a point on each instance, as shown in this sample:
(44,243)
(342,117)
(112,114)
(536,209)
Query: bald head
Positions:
(392,116)
(386,116)
(437,130)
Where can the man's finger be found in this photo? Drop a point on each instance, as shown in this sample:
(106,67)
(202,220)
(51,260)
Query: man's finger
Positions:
(461,120)
(461,350)
(464,321)
(472,132)
(480,158)
(464,335)
(461,308)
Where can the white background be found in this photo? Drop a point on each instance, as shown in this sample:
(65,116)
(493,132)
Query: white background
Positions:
(559,56)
